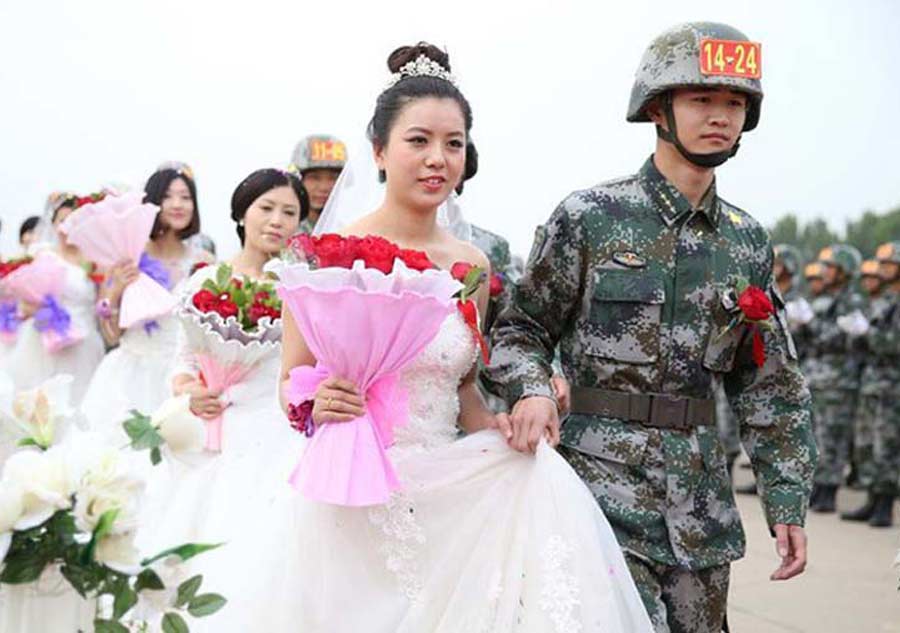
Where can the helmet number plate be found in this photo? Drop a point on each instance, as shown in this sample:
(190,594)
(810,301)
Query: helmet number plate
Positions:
(322,151)
(730,58)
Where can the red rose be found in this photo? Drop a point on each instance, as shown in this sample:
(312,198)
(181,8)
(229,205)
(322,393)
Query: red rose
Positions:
(237,283)
(459,270)
(198,266)
(378,253)
(227,308)
(256,312)
(755,304)
(205,301)
(332,250)
(262,295)
(496,284)
(415,260)
(301,244)
(273,313)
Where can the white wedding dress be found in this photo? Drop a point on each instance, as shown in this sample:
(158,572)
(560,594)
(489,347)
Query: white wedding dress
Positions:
(136,374)
(481,538)
(28,363)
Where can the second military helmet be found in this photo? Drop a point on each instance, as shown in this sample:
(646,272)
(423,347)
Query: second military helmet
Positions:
(318,151)
(844,256)
(790,258)
(888,252)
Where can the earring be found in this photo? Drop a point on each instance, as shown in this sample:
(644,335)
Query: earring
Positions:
(241,223)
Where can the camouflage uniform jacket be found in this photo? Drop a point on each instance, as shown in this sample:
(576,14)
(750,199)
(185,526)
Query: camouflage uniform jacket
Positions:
(649,323)
(835,363)
(306,226)
(496,249)
(882,346)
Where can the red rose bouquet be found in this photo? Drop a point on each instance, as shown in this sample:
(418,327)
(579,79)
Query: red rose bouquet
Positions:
(230,325)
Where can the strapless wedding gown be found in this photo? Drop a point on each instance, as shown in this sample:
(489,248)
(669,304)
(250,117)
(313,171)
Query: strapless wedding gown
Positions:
(480,539)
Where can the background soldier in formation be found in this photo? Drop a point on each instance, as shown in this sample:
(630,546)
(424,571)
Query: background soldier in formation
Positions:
(833,372)
(880,394)
(319,160)
(636,280)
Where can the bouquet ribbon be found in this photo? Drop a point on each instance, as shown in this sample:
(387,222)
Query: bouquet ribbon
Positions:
(9,321)
(218,377)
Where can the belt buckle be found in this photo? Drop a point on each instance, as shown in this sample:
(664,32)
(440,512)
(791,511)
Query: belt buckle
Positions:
(669,411)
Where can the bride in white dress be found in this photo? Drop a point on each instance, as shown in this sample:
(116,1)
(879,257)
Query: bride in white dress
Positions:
(135,374)
(481,537)
(225,497)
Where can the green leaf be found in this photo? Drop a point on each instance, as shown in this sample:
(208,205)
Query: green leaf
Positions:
(109,626)
(741,285)
(28,442)
(148,579)
(206,604)
(155,455)
(126,598)
(184,552)
(104,526)
(142,433)
(187,590)
(210,285)
(223,275)
(23,568)
(174,623)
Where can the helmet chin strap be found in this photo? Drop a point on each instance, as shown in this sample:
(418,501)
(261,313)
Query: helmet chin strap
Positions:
(707,161)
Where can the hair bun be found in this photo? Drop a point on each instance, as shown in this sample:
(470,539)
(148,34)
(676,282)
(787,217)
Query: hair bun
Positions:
(405,54)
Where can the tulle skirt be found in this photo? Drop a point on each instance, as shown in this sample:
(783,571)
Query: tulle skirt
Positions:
(29,363)
(481,539)
(47,606)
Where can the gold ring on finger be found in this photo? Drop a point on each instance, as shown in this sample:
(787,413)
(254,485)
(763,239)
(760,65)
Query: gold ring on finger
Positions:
(328,403)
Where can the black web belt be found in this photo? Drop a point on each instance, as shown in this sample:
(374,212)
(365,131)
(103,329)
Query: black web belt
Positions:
(651,409)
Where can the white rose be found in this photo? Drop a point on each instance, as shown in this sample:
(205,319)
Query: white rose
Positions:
(155,602)
(118,552)
(44,482)
(181,429)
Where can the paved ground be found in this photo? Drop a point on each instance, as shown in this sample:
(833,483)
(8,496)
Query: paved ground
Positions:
(850,585)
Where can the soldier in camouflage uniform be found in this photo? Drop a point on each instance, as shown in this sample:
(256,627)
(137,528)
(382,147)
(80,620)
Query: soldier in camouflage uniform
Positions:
(834,371)
(318,159)
(880,396)
(636,279)
(497,250)
(867,401)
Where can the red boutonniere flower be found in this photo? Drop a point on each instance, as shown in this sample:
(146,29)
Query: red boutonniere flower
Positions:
(755,310)
(471,277)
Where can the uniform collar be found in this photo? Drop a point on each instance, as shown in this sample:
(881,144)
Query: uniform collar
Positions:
(671,203)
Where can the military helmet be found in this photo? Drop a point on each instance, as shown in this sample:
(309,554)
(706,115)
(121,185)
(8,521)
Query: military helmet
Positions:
(318,151)
(888,252)
(813,270)
(844,256)
(790,257)
(869,268)
(699,54)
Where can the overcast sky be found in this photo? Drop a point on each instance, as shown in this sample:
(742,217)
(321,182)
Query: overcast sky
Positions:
(94,92)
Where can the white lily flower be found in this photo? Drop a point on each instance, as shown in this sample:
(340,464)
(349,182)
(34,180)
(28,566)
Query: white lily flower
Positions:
(118,552)
(44,481)
(39,412)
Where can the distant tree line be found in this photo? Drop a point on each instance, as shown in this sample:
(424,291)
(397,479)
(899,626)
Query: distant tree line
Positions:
(866,233)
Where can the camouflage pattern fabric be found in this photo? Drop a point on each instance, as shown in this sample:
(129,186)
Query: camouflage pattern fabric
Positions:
(726,423)
(306,226)
(883,341)
(679,601)
(834,369)
(632,283)
(871,385)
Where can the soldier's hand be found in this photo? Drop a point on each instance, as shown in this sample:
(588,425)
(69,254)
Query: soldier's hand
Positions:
(532,418)
(790,543)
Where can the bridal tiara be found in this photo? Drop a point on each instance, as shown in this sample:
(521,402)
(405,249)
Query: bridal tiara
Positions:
(422,66)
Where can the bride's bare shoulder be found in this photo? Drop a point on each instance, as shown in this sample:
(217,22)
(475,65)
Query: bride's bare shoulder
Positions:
(461,251)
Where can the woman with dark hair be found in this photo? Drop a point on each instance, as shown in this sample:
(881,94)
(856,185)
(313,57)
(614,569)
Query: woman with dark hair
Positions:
(225,498)
(135,375)
(480,537)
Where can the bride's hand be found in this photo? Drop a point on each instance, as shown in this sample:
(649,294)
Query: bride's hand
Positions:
(337,400)
(204,403)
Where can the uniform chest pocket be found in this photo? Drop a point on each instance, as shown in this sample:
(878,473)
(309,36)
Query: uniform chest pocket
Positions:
(624,316)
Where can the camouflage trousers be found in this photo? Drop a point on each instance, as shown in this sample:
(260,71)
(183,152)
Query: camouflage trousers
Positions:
(886,444)
(834,413)
(864,439)
(680,600)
